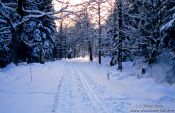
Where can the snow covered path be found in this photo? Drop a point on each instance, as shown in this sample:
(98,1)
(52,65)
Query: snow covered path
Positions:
(77,86)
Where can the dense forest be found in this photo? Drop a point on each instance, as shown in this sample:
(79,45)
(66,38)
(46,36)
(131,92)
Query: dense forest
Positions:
(131,29)
(87,56)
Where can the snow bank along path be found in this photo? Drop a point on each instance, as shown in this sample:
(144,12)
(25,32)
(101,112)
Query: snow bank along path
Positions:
(76,86)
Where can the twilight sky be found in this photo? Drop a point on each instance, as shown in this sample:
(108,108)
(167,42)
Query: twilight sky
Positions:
(93,14)
(76,1)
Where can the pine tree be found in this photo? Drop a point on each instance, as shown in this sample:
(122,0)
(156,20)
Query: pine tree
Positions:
(168,24)
(30,27)
(7,11)
(38,32)
(168,32)
(149,23)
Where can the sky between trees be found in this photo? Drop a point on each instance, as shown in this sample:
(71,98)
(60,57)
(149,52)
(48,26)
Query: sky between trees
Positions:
(76,5)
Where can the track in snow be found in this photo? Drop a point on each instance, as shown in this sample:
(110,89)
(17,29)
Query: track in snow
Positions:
(75,95)
(62,100)
(99,106)
(55,104)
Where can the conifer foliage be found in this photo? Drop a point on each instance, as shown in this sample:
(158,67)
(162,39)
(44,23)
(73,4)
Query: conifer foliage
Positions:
(132,29)
(26,30)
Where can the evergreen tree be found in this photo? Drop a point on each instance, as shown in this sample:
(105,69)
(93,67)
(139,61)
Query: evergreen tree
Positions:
(7,11)
(38,32)
(168,35)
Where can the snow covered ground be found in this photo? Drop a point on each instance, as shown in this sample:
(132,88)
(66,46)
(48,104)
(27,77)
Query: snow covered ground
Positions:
(78,86)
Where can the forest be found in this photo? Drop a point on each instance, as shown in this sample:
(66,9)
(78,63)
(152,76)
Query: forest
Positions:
(134,28)
(33,31)
(87,56)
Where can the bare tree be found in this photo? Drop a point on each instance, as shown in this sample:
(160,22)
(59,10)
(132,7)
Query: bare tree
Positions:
(97,6)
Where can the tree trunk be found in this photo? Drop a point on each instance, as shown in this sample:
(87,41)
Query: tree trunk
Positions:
(90,52)
(99,33)
(17,33)
(74,52)
(42,57)
(120,36)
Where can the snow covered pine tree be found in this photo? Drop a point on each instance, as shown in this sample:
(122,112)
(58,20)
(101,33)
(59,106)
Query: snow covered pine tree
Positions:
(7,7)
(26,30)
(37,33)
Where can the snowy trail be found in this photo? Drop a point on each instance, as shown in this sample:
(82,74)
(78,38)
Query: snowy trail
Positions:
(62,101)
(74,86)
(80,99)
(94,99)
(74,92)
(99,93)
(55,104)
